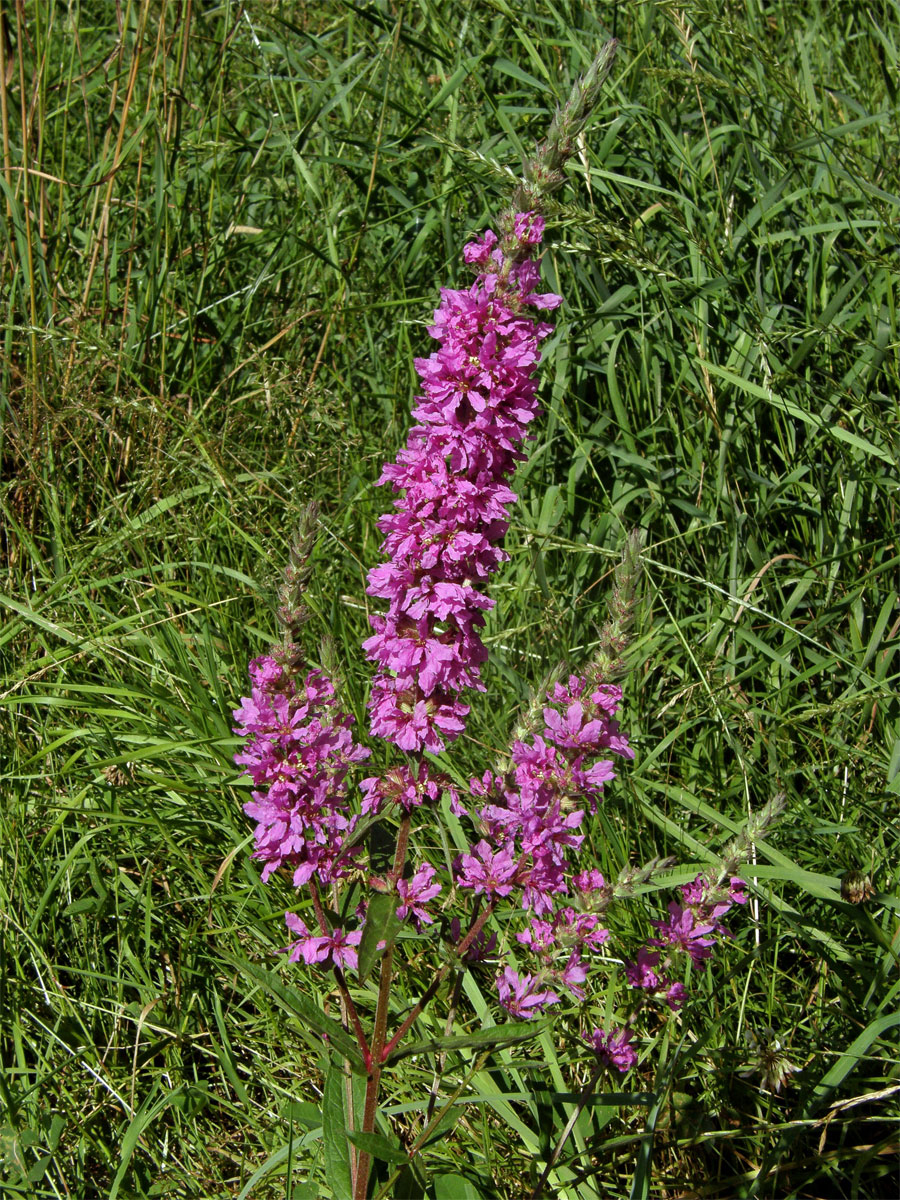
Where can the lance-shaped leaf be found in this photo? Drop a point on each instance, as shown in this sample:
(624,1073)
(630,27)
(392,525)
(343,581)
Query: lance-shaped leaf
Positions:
(305,1010)
(496,1035)
(335,1133)
(379,1146)
(379,932)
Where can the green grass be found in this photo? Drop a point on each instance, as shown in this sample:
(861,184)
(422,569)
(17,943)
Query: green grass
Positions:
(216,272)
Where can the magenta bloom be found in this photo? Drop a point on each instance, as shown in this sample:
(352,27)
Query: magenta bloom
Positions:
(298,751)
(486,871)
(643,973)
(682,931)
(613,1049)
(478,398)
(521,997)
(398,785)
(337,949)
(415,893)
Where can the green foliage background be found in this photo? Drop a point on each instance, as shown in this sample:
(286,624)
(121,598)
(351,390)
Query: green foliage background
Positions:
(224,228)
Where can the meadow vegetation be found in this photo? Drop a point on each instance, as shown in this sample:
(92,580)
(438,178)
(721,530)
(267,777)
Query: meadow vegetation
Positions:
(224,230)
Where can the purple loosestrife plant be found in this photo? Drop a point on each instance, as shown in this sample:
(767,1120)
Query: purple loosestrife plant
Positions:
(479,396)
(528,816)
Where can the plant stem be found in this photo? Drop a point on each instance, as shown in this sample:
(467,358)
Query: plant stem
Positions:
(379,1034)
(346,998)
(432,988)
(448,1029)
(433,1124)
(564,1136)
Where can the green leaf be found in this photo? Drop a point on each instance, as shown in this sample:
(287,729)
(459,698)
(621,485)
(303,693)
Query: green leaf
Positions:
(379,932)
(335,1134)
(455,1187)
(303,1113)
(379,1147)
(852,1057)
(496,1035)
(305,1191)
(300,1006)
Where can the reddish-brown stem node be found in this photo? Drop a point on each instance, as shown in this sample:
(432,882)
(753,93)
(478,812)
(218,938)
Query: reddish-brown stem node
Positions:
(430,992)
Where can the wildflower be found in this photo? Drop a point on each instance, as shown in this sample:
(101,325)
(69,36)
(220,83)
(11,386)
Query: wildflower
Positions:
(337,949)
(487,872)
(613,1049)
(536,809)
(675,996)
(520,995)
(588,881)
(400,786)
(573,975)
(415,893)
(642,974)
(478,398)
(298,752)
(770,1061)
(682,932)
(856,887)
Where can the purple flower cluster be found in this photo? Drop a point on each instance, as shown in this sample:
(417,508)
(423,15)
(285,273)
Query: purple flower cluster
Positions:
(531,817)
(692,929)
(478,399)
(613,1049)
(299,749)
(531,814)
(407,789)
(337,949)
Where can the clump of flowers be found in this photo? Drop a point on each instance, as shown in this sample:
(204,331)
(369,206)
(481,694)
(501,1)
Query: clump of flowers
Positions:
(479,396)
(527,816)
(298,752)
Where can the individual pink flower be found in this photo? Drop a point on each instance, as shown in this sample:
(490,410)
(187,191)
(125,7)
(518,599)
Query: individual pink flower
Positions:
(675,995)
(337,949)
(682,931)
(589,881)
(415,894)
(487,871)
(573,975)
(613,1049)
(643,973)
(522,996)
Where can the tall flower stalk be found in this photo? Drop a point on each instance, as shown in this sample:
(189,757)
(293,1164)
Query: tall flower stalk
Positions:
(479,396)
(527,817)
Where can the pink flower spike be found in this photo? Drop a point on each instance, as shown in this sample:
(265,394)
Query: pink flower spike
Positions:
(478,396)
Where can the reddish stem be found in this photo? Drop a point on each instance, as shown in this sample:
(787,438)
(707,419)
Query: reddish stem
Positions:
(379,1033)
(432,988)
(347,999)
